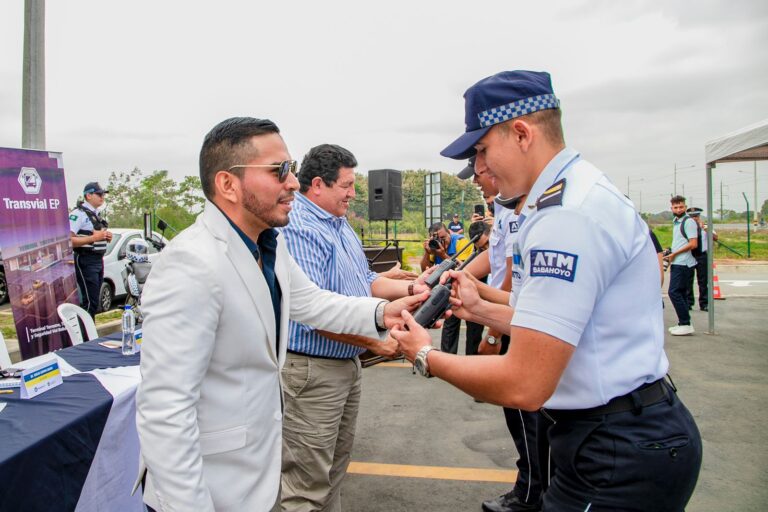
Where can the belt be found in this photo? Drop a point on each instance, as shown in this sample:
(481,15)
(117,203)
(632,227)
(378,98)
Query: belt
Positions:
(645,395)
(320,357)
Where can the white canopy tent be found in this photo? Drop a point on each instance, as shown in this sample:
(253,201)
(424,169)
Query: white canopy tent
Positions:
(747,144)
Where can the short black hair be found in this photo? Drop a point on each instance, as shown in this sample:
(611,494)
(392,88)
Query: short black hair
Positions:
(677,200)
(434,228)
(227,145)
(324,161)
(478,227)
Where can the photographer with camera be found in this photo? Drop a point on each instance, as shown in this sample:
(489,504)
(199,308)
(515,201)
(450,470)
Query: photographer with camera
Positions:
(441,245)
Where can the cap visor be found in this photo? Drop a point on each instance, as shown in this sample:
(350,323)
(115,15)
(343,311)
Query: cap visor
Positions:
(466,173)
(464,147)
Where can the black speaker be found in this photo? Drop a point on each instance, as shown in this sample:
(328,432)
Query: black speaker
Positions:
(385,194)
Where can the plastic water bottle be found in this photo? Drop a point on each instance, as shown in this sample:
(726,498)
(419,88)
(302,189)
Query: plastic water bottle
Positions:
(129,326)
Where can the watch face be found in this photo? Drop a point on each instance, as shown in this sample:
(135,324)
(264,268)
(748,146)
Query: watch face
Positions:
(419,365)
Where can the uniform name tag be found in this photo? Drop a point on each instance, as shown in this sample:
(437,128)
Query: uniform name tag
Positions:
(40,378)
(514,226)
(561,265)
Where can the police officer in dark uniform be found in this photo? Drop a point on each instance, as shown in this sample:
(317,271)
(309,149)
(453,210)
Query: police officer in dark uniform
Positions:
(89,240)
(585,322)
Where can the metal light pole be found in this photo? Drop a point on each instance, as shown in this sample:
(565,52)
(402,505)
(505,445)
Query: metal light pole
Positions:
(757,217)
(33,81)
(748,241)
(679,169)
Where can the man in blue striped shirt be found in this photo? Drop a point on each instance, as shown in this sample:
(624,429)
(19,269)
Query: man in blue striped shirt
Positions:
(322,374)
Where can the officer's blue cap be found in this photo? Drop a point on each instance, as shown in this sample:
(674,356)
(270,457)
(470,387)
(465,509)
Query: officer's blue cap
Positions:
(468,171)
(694,211)
(94,188)
(497,99)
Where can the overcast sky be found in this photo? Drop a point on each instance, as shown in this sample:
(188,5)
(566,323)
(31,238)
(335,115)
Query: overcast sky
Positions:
(643,85)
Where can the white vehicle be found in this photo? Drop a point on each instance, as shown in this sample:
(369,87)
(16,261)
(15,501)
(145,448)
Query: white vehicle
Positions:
(115,261)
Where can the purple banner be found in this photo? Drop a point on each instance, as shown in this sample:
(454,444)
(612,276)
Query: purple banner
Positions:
(35,247)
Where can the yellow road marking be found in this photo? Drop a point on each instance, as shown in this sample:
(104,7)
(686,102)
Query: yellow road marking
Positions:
(436,472)
(396,364)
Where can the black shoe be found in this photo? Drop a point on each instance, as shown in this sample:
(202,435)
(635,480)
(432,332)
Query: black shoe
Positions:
(509,502)
(704,308)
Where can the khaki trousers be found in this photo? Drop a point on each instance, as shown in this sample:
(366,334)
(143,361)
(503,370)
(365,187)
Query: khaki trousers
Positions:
(322,398)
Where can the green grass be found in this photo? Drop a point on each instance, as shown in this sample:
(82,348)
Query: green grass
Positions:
(735,239)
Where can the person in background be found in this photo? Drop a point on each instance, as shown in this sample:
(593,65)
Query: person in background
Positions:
(659,253)
(700,253)
(89,235)
(456,226)
(682,263)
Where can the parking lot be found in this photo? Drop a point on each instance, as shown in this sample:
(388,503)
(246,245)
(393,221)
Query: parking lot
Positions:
(448,452)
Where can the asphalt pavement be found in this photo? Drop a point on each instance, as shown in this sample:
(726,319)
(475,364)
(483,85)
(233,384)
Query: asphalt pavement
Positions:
(422,445)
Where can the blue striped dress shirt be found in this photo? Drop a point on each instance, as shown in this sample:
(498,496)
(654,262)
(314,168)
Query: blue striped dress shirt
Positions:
(329,252)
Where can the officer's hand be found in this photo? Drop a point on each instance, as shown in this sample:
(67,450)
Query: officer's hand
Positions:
(476,217)
(465,299)
(486,349)
(393,310)
(109,236)
(388,348)
(412,339)
(100,235)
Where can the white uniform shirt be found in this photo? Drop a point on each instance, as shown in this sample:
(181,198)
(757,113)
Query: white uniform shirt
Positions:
(79,220)
(590,277)
(499,244)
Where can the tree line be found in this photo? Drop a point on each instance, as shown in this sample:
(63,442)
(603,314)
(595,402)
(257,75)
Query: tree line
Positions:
(178,202)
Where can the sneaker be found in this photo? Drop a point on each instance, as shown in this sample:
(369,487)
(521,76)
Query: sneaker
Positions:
(509,502)
(681,330)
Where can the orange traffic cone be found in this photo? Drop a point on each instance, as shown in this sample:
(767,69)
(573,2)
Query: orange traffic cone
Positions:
(716,293)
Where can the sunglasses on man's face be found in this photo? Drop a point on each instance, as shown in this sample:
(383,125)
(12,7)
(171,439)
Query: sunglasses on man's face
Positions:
(283,168)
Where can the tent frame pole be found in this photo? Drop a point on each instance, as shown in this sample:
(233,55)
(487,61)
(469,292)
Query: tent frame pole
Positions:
(710,252)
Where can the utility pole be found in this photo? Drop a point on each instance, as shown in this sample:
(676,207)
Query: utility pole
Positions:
(756,206)
(33,86)
(721,200)
(675,189)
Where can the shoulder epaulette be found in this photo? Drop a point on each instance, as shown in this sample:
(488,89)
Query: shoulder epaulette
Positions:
(553,196)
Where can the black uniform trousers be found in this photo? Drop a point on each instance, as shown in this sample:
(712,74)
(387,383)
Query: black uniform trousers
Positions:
(680,279)
(523,427)
(702,277)
(449,337)
(89,271)
(647,459)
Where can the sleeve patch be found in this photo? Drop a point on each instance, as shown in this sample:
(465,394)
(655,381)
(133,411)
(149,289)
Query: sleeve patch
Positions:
(553,196)
(72,217)
(545,263)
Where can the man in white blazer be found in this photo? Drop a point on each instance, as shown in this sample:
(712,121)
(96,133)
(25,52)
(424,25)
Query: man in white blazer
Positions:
(216,309)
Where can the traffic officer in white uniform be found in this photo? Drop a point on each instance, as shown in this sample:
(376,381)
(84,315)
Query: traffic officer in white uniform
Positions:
(587,336)
(89,237)
(522,425)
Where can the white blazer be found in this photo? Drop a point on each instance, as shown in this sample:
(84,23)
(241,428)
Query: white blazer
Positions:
(209,410)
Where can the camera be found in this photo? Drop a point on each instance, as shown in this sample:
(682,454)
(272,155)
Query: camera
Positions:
(665,262)
(434,242)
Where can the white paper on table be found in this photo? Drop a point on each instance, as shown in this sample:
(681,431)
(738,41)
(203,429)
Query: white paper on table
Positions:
(118,380)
